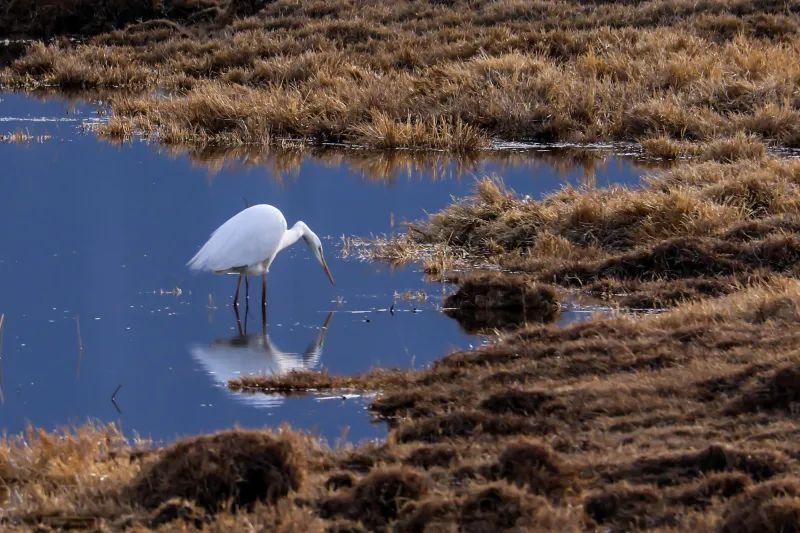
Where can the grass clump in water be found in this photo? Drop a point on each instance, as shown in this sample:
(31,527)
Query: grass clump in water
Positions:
(494,300)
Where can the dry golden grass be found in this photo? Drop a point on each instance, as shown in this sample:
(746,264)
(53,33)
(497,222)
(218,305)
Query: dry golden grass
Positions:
(445,76)
(699,229)
(726,150)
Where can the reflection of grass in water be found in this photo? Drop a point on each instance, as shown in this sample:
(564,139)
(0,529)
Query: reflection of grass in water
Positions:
(285,159)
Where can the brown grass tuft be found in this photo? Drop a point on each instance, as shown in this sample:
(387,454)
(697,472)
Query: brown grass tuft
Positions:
(237,468)
(700,495)
(772,506)
(378,498)
(724,150)
(779,389)
(676,469)
(339,480)
(623,506)
(441,455)
(521,402)
(178,509)
(535,466)
(502,507)
(733,149)
(460,424)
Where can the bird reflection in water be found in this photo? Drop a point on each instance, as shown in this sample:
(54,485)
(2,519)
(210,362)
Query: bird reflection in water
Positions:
(254,355)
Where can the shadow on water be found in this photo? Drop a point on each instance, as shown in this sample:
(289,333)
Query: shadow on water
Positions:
(102,232)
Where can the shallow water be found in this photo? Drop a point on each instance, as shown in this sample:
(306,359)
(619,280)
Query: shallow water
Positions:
(97,298)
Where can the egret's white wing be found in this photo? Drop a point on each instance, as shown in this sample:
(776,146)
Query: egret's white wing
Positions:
(248,238)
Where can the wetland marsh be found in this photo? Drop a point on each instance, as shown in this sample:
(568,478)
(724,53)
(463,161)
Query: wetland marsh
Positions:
(475,169)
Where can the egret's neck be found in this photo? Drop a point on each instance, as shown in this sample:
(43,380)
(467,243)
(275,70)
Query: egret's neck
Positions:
(293,234)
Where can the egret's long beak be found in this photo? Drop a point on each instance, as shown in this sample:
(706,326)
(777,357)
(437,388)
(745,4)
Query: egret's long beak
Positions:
(327,270)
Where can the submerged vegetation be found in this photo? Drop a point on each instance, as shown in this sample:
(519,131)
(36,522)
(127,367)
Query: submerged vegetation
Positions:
(443,75)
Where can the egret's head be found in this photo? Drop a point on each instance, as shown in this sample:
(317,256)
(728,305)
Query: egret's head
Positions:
(315,246)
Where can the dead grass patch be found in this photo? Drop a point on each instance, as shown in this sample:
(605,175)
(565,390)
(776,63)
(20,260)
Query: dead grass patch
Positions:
(379,497)
(698,230)
(724,150)
(773,506)
(229,469)
(405,76)
(534,466)
(778,389)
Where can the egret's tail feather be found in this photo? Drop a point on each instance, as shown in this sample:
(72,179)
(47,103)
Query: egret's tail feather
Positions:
(199,261)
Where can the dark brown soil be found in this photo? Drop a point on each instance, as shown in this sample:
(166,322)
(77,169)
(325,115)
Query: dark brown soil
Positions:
(48,18)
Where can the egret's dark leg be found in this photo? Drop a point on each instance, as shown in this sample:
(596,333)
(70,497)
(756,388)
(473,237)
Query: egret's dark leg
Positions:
(238,320)
(236,294)
(246,314)
(264,301)
(246,300)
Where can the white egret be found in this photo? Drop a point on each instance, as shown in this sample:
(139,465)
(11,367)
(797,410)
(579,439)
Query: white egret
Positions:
(247,243)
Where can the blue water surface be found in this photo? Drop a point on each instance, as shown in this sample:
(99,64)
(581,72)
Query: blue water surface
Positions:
(94,238)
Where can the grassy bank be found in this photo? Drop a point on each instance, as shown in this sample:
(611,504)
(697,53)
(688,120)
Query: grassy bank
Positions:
(681,420)
(445,75)
(697,230)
